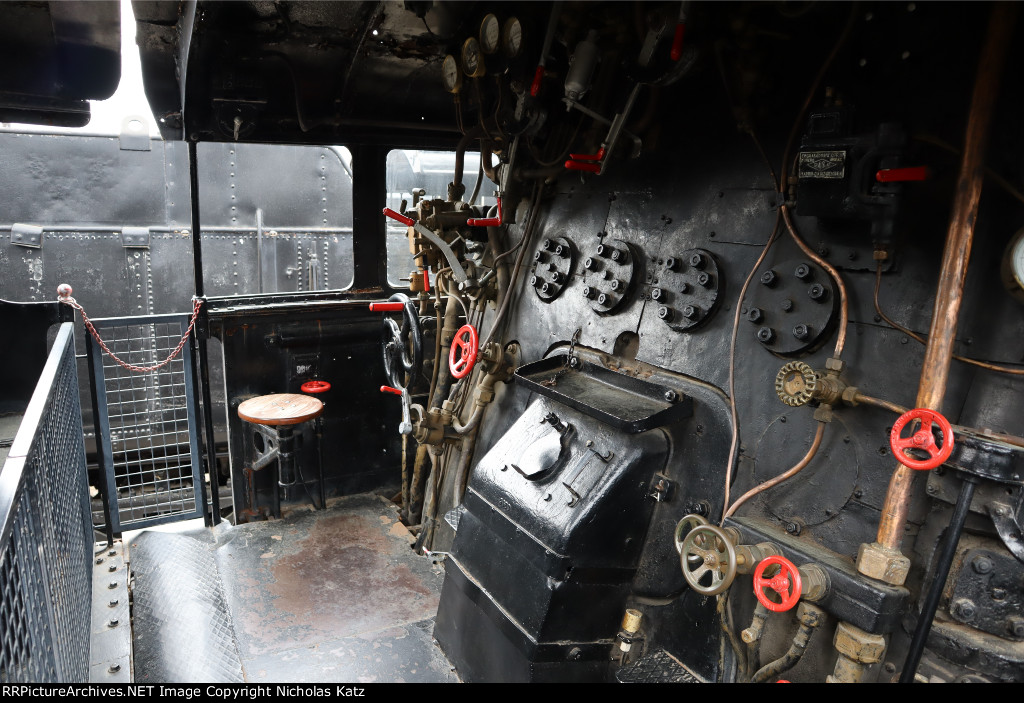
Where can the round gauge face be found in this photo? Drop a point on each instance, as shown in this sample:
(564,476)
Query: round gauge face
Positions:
(490,34)
(451,75)
(512,37)
(472,58)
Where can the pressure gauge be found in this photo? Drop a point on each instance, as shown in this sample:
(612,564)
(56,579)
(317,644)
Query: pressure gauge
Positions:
(451,74)
(490,34)
(1013,266)
(472,59)
(512,37)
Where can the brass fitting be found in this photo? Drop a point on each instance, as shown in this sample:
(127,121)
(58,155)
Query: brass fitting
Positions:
(857,651)
(753,633)
(882,563)
(430,429)
(815,582)
(748,556)
(798,384)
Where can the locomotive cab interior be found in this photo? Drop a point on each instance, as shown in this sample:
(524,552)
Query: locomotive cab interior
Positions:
(647,342)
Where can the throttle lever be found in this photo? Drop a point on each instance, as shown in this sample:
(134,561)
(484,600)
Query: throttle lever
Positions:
(406,426)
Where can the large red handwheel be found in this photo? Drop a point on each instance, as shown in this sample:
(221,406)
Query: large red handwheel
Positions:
(463,353)
(786,583)
(921,439)
(315,387)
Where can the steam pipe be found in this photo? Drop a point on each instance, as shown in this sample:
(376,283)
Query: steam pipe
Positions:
(955,257)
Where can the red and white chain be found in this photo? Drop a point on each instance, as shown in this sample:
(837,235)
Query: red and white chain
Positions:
(64,296)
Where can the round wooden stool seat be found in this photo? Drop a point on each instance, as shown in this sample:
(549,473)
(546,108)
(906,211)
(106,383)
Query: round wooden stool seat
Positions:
(280,409)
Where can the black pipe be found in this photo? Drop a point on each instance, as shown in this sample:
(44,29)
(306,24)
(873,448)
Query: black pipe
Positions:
(938,583)
(202,335)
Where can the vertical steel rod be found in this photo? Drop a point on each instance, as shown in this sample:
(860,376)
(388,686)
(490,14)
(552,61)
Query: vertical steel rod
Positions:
(945,560)
(202,335)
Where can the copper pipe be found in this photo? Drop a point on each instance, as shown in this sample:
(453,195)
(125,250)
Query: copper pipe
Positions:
(797,468)
(879,403)
(949,296)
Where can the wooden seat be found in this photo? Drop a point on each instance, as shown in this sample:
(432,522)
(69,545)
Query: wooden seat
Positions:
(280,409)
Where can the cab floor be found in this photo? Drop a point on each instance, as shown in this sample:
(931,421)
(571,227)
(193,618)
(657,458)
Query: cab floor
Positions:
(320,596)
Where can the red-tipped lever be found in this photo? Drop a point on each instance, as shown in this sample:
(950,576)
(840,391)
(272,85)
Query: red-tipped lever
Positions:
(394,215)
(898,175)
(389,389)
(387,307)
(537,77)
(590,163)
(486,221)
(677,42)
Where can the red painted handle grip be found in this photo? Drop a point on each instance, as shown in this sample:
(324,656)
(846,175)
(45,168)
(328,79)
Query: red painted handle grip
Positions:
(897,175)
(389,389)
(407,221)
(786,583)
(387,307)
(677,41)
(486,221)
(921,439)
(537,76)
(582,166)
(588,157)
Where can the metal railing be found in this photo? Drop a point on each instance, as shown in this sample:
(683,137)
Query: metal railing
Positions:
(46,537)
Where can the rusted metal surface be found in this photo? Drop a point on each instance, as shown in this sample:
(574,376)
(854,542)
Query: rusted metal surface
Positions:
(313,596)
(959,238)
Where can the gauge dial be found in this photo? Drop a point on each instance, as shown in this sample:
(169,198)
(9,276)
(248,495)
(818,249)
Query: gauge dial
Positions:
(472,58)
(1013,266)
(512,37)
(490,34)
(451,74)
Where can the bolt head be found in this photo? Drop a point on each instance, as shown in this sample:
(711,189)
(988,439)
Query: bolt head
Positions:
(755,314)
(768,278)
(802,271)
(114,668)
(1015,624)
(801,332)
(113,603)
(589,264)
(816,292)
(537,256)
(691,312)
(533,280)
(602,250)
(963,609)
(545,288)
(602,299)
(671,396)
(616,285)
(656,293)
(557,277)
(618,255)
(704,279)
(665,313)
(547,244)
(671,263)
(766,335)
(588,292)
(697,260)
(787,305)
(981,564)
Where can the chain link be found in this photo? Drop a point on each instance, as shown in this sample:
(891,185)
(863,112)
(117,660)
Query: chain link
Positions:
(197,303)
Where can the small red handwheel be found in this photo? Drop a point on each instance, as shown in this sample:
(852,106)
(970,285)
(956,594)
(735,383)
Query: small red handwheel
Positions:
(922,439)
(463,352)
(315,387)
(786,583)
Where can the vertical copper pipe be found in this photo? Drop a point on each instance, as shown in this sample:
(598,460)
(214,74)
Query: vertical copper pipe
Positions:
(959,237)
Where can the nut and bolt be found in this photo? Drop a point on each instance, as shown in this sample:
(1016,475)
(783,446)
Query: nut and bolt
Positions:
(557,277)
(787,305)
(691,312)
(665,313)
(802,271)
(768,278)
(112,567)
(755,314)
(684,287)
(99,560)
(545,288)
(704,279)
(533,280)
(981,564)
(697,260)
(615,285)
(112,585)
(112,552)
(575,654)
(602,299)
(816,292)
(590,264)
(113,622)
(671,396)
(793,528)
(603,250)
(766,335)
(1015,624)
(547,244)
(998,593)
(619,256)
(537,255)
(963,609)
(113,668)
(113,603)
(588,292)
(656,293)
(801,332)
(561,251)
(671,263)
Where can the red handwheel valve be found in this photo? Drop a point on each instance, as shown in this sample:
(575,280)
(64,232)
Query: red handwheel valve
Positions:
(463,353)
(922,439)
(315,387)
(787,584)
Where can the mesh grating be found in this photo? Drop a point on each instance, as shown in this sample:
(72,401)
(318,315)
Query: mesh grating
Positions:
(150,420)
(45,560)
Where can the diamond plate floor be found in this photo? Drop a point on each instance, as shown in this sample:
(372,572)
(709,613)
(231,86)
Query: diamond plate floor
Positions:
(320,596)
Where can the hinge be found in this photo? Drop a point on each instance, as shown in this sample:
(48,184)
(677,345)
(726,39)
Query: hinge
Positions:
(27,235)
